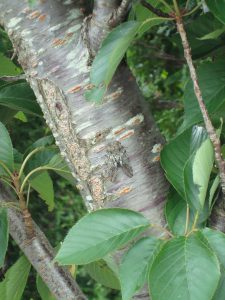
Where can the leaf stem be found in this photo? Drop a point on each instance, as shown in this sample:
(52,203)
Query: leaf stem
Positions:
(187,219)
(6,168)
(28,157)
(192,11)
(37,170)
(162,229)
(195,221)
(166,5)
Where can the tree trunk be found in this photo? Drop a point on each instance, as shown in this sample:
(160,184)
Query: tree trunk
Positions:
(55,44)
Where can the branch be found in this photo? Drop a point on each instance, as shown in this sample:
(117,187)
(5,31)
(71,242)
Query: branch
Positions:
(120,13)
(208,124)
(40,254)
(154,10)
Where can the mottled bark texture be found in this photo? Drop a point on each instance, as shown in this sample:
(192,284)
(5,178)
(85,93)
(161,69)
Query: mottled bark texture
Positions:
(54,41)
(41,254)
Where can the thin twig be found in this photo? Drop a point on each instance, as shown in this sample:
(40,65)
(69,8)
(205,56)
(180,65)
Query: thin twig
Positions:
(119,13)
(208,124)
(154,10)
(13,78)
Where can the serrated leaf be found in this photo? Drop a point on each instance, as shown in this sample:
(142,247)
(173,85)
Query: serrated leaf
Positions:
(100,233)
(217,7)
(175,155)
(109,56)
(211,77)
(43,290)
(7,66)
(4,235)
(197,174)
(216,240)
(135,267)
(19,96)
(12,287)
(102,273)
(42,183)
(111,53)
(6,149)
(176,214)
(186,268)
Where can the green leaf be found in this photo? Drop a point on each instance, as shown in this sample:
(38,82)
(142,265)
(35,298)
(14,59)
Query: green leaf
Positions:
(217,7)
(134,267)
(213,35)
(100,233)
(6,149)
(4,235)
(175,212)
(176,154)
(19,96)
(197,174)
(213,189)
(42,183)
(21,116)
(216,240)
(211,77)
(61,168)
(109,56)
(43,290)
(12,287)
(102,273)
(8,67)
(186,268)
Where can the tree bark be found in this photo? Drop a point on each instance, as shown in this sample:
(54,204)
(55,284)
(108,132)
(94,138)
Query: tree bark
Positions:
(54,43)
(40,254)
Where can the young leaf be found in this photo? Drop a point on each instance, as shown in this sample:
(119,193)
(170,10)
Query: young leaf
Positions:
(12,287)
(211,77)
(6,149)
(186,268)
(109,56)
(100,233)
(4,235)
(134,267)
(19,96)
(175,155)
(42,183)
(197,173)
(102,273)
(43,290)
(217,8)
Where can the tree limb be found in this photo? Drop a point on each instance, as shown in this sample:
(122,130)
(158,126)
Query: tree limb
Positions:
(40,254)
(120,13)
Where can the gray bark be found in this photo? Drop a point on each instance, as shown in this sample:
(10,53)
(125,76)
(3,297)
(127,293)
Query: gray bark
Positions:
(54,51)
(40,253)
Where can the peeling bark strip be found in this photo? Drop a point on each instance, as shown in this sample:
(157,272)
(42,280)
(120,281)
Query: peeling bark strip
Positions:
(40,254)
